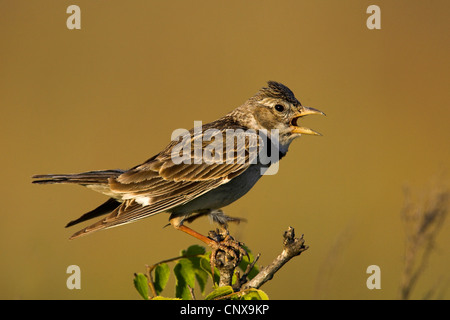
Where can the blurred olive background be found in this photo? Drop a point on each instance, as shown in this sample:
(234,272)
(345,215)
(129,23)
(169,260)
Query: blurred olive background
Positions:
(109,96)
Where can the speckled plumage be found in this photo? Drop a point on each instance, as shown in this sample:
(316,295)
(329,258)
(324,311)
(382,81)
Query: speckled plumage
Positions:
(187,190)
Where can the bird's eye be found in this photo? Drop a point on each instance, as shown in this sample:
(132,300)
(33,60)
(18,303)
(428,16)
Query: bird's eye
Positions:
(279,108)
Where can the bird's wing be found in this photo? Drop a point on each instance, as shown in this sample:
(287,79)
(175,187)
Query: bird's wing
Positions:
(161,183)
(189,164)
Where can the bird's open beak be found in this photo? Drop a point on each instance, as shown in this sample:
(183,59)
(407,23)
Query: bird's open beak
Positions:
(304,111)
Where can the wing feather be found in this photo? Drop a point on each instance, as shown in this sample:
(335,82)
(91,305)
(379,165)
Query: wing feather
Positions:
(167,184)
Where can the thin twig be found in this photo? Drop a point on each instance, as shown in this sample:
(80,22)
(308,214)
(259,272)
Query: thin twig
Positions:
(241,280)
(423,221)
(191,291)
(150,282)
(292,247)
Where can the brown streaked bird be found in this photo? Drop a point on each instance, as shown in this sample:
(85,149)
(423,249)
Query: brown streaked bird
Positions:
(190,189)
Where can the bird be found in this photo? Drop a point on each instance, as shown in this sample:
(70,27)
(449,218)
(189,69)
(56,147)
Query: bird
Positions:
(195,187)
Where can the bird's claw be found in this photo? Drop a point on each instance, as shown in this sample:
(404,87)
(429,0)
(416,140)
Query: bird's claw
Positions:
(225,250)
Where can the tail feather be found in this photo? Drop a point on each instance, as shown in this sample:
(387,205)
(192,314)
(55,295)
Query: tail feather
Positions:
(95,180)
(104,208)
(85,178)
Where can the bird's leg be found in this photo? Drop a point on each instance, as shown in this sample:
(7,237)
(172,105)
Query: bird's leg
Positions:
(225,252)
(177,223)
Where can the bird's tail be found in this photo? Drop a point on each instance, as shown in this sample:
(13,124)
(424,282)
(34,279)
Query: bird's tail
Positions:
(85,178)
(95,180)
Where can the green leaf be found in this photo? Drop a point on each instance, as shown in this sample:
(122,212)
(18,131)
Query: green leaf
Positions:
(193,250)
(141,285)
(200,274)
(162,272)
(263,295)
(164,298)
(205,264)
(185,276)
(255,294)
(219,292)
(195,254)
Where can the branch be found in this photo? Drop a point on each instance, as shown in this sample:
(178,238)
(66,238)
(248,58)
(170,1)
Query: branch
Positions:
(226,256)
(292,248)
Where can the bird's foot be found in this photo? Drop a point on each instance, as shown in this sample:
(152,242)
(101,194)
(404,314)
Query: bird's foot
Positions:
(226,252)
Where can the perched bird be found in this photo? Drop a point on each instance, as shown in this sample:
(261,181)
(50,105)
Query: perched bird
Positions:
(196,187)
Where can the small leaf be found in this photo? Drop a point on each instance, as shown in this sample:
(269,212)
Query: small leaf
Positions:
(141,285)
(164,298)
(255,294)
(201,276)
(195,254)
(162,272)
(193,250)
(219,292)
(205,264)
(185,276)
(263,295)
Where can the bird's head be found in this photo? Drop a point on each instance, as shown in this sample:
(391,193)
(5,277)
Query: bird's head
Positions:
(276,107)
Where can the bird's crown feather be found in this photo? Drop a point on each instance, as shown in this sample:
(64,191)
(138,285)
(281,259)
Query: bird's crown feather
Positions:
(277,90)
